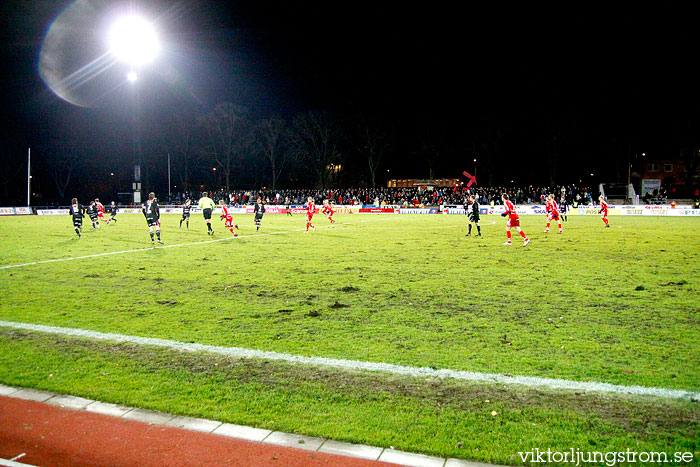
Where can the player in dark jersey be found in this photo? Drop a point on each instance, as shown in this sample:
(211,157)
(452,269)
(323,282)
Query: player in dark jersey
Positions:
(259,211)
(152,213)
(112,212)
(77,211)
(92,213)
(473,215)
(563,208)
(186,213)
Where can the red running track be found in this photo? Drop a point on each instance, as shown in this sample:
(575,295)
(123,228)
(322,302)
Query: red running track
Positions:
(54,436)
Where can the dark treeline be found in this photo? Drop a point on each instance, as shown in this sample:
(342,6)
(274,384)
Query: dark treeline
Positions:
(230,148)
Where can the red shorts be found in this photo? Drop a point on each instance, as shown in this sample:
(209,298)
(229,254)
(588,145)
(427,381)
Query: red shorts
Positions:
(554,215)
(513,222)
(229,221)
(309,216)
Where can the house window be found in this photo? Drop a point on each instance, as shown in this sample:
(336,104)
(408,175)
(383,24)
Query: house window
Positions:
(653,167)
(668,167)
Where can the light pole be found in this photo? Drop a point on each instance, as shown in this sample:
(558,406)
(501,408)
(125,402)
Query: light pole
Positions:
(133,41)
(29,176)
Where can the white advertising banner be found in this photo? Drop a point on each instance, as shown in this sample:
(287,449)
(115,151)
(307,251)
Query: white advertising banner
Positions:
(52,212)
(659,210)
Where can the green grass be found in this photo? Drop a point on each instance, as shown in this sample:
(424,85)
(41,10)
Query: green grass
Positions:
(617,305)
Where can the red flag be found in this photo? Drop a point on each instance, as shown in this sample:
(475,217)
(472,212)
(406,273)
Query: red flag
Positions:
(472,178)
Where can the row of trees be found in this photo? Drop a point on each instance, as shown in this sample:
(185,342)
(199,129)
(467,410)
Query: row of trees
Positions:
(228,147)
(315,144)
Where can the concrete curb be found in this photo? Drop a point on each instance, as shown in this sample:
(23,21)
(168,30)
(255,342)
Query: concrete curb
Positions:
(237,431)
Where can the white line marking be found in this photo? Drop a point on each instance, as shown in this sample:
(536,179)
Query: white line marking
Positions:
(11,463)
(19,457)
(237,352)
(58,260)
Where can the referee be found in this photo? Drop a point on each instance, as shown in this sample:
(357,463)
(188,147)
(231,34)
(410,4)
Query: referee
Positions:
(206,204)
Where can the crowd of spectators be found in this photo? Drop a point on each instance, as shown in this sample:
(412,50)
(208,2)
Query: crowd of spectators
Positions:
(414,196)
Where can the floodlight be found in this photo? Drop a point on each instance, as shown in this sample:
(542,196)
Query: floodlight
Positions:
(131,76)
(133,40)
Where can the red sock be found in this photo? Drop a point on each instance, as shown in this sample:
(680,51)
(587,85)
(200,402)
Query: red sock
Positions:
(547,225)
(508,236)
(522,234)
(606,221)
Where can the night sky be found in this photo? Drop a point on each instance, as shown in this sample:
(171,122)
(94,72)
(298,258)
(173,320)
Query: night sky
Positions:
(591,86)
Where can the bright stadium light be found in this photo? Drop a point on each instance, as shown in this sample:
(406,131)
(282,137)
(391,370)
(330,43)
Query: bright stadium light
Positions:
(131,76)
(133,40)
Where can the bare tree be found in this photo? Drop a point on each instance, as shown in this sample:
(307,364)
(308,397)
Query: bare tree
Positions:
(432,144)
(372,141)
(182,146)
(222,129)
(62,166)
(271,137)
(315,139)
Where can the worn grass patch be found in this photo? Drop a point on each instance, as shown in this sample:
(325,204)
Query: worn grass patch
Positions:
(434,416)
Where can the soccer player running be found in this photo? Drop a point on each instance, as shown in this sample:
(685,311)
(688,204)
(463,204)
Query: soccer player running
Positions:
(206,204)
(112,213)
(92,212)
(310,209)
(77,212)
(229,218)
(186,213)
(473,215)
(328,210)
(152,214)
(100,210)
(552,213)
(603,211)
(259,210)
(513,220)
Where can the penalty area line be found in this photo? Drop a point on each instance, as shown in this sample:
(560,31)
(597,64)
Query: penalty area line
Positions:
(109,253)
(237,352)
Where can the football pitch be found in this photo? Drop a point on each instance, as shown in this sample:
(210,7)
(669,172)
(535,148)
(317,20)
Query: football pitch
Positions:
(617,305)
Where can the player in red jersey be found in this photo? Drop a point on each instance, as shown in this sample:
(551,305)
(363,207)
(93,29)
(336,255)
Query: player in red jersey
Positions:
(328,210)
(100,210)
(603,211)
(513,220)
(310,209)
(552,213)
(229,218)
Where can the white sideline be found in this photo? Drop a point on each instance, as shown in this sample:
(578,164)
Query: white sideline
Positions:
(237,352)
(58,260)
